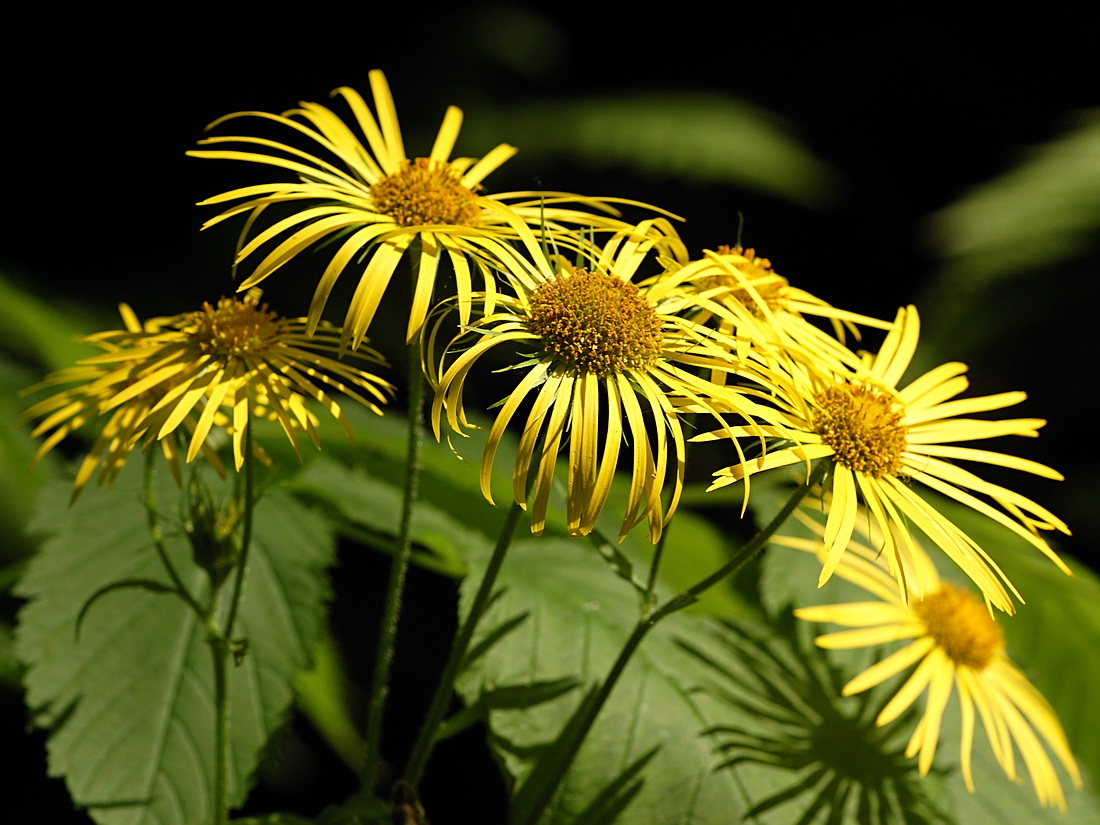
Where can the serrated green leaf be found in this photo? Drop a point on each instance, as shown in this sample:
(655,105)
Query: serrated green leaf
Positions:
(579,615)
(129,705)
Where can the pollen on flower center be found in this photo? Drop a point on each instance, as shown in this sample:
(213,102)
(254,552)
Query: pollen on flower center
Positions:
(770,287)
(594,322)
(961,625)
(426,192)
(863,427)
(234,327)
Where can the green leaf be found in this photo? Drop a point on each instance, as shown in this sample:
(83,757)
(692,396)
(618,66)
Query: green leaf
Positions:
(129,705)
(1002,242)
(1044,211)
(19,480)
(693,136)
(370,508)
(646,755)
(37,331)
(789,719)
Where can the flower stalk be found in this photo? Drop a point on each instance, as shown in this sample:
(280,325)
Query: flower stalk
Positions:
(565,751)
(422,749)
(398,570)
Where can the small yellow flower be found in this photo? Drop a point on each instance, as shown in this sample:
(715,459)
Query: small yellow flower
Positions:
(606,361)
(214,368)
(880,438)
(954,642)
(374,201)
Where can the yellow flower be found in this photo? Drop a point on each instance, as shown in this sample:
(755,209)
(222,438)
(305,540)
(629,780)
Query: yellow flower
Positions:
(737,290)
(880,438)
(214,368)
(606,361)
(958,644)
(374,202)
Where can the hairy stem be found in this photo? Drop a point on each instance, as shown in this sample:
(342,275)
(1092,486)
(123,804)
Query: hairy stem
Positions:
(392,607)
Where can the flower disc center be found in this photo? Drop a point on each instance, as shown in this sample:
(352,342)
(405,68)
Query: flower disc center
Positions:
(594,322)
(424,193)
(757,273)
(234,327)
(863,427)
(961,625)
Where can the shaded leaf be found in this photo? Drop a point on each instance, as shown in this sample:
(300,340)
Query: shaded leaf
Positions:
(129,706)
(374,505)
(646,752)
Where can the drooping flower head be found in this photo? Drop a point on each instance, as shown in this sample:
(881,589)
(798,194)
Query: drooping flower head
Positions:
(211,369)
(374,202)
(956,644)
(605,362)
(738,291)
(880,438)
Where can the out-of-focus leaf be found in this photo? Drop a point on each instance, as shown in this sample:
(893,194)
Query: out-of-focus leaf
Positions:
(693,136)
(19,481)
(36,330)
(1043,212)
(369,504)
(322,698)
(130,703)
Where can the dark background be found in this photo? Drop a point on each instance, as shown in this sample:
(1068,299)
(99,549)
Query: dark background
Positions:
(909,109)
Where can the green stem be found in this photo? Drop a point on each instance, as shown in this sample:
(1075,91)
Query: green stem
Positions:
(392,607)
(743,555)
(219,649)
(221,644)
(157,535)
(566,751)
(426,740)
(246,535)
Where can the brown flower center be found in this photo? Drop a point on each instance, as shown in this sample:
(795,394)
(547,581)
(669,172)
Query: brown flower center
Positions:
(594,322)
(234,327)
(863,427)
(424,193)
(769,287)
(961,625)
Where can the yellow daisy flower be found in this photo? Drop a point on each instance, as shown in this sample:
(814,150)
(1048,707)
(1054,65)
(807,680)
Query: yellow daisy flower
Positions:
(608,361)
(880,438)
(958,644)
(739,290)
(374,201)
(214,368)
